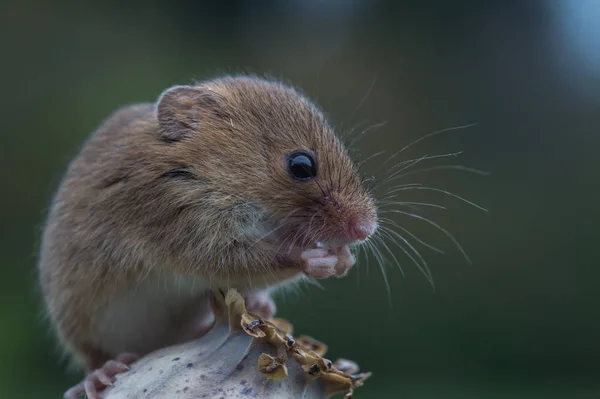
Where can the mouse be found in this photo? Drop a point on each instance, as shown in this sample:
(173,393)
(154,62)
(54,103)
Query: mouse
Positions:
(237,181)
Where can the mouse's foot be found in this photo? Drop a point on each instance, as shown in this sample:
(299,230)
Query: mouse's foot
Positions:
(203,329)
(323,263)
(261,303)
(101,378)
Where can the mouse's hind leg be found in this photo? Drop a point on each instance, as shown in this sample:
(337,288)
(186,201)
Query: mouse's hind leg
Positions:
(102,377)
(261,303)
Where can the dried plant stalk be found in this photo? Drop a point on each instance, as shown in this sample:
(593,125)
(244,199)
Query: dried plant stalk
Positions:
(243,356)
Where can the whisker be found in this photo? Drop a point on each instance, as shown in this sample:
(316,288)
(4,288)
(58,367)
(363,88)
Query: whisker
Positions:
(448,129)
(357,256)
(420,241)
(394,155)
(440,228)
(407,164)
(364,248)
(266,235)
(364,99)
(367,159)
(385,231)
(308,197)
(382,242)
(293,241)
(389,196)
(363,133)
(284,223)
(320,188)
(319,231)
(379,258)
(395,190)
(348,133)
(461,168)
(413,162)
(423,267)
(402,203)
(309,229)
(429,157)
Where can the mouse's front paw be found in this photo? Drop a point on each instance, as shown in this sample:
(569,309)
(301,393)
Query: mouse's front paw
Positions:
(323,263)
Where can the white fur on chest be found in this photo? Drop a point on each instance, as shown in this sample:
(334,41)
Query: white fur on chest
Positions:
(155,313)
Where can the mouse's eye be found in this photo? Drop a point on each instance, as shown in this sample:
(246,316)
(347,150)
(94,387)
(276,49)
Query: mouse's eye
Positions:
(302,166)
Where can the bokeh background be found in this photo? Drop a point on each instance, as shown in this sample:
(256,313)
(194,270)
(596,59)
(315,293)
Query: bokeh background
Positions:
(521,321)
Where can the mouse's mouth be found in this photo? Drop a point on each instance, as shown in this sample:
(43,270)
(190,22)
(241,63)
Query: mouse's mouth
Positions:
(332,243)
(336,244)
(296,243)
(297,238)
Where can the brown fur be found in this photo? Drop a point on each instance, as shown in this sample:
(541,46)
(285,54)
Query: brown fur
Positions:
(188,187)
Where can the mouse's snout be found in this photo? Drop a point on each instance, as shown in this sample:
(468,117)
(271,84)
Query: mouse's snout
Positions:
(359,229)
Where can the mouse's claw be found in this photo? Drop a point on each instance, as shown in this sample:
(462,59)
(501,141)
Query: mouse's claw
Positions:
(101,378)
(323,263)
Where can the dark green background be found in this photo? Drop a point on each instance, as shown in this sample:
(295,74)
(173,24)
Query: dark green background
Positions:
(521,322)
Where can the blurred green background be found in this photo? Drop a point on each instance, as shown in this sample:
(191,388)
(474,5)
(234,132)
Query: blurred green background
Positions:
(522,321)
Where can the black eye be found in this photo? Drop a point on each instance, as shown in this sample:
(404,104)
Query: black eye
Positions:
(302,166)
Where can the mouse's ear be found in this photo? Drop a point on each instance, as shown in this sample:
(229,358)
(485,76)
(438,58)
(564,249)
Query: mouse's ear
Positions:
(180,110)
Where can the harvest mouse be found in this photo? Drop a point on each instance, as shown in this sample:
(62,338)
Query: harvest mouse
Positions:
(236,182)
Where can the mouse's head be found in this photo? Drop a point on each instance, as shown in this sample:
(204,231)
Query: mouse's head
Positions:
(262,147)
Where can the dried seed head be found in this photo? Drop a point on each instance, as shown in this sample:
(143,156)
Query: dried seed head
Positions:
(241,356)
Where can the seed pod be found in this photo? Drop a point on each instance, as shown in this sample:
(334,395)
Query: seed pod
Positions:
(242,356)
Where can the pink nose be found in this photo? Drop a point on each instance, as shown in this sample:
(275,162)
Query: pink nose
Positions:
(360,230)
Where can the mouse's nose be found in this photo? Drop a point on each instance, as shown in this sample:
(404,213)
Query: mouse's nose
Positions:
(359,229)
